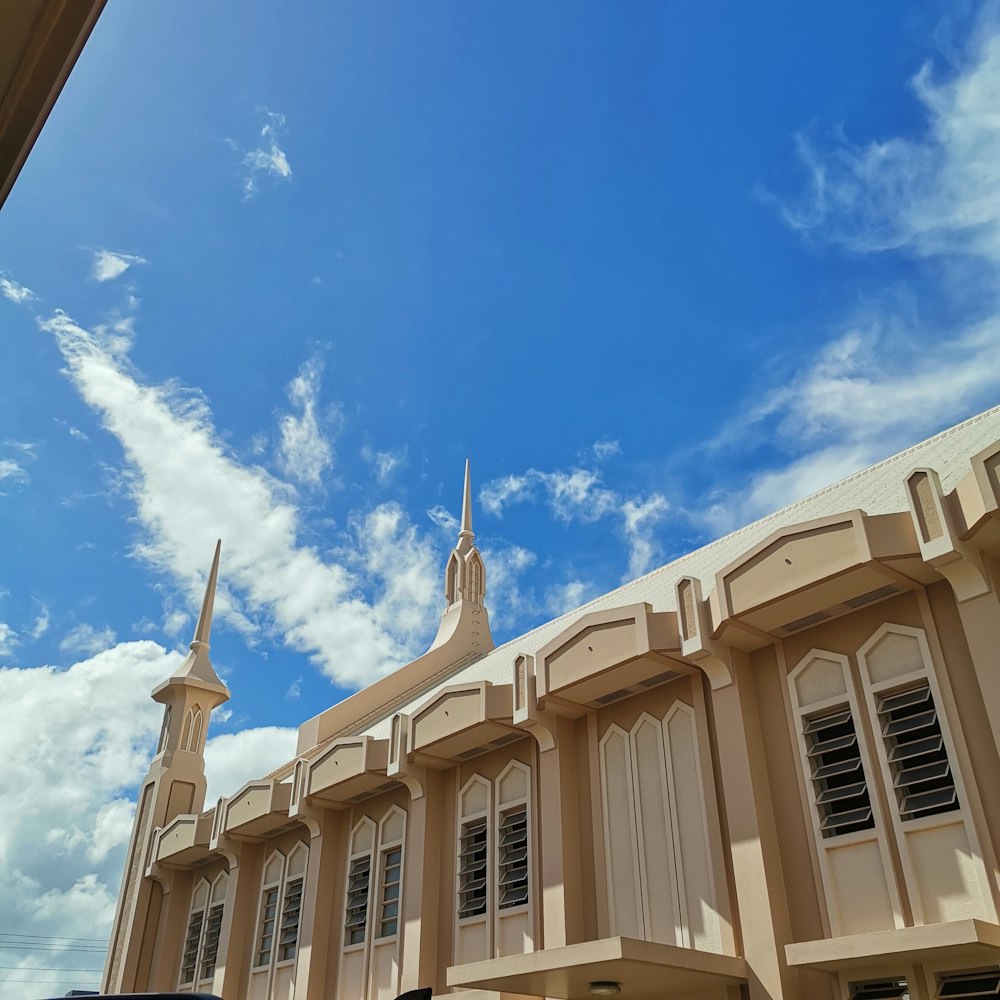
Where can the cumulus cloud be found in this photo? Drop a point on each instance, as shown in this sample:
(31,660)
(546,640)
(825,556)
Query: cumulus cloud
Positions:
(342,616)
(106,265)
(75,751)
(639,518)
(16,473)
(233,759)
(87,639)
(8,640)
(304,452)
(17,293)
(509,599)
(267,158)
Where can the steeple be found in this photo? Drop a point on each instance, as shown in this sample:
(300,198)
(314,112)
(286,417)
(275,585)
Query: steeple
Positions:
(465,577)
(197,667)
(174,784)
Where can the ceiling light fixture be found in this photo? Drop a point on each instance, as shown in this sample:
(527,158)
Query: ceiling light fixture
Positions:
(604,989)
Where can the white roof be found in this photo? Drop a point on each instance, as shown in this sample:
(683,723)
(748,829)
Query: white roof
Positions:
(878,489)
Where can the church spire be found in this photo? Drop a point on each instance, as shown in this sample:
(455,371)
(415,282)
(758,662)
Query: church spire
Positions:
(465,577)
(466,531)
(204,628)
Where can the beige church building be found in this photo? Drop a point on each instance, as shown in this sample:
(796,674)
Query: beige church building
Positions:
(769,770)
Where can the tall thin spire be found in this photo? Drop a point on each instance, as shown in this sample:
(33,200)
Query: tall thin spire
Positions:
(466,531)
(204,628)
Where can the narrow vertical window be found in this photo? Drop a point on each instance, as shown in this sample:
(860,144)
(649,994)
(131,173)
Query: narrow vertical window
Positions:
(513,857)
(388,922)
(189,960)
(290,913)
(914,746)
(356,916)
(472,863)
(837,774)
(269,913)
(210,949)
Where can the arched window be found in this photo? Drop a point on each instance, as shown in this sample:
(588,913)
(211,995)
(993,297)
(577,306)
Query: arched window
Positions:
(192,938)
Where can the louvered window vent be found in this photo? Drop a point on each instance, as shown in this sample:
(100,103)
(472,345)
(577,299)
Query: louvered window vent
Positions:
(513,867)
(290,911)
(210,951)
(191,939)
(837,773)
(921,773)
(356,915)
(269,915)
(970,985)
(881,989)
(472,851)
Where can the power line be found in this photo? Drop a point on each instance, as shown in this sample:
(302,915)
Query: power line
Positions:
(16,946)
(21,968)
(52,937)
(41,982)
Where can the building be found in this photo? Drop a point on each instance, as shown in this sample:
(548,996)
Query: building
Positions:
(767,770)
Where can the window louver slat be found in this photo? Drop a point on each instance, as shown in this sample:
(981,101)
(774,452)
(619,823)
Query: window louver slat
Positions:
(921,773)
(270,910)
(210,950)
(290,913)
(513,861)
(472,868)
(190,957)
(389,912)
(970,985)
(356,917)
(887,989)
(839,787)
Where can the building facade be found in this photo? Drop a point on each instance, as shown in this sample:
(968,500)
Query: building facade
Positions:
(767,770)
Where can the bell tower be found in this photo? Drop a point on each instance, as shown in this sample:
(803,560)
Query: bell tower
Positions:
(174,784)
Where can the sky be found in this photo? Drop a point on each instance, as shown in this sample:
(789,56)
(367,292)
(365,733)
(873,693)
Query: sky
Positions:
(272,273)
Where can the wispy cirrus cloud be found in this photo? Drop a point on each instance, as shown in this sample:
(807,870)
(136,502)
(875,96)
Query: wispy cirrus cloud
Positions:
(889,376)
(106,265)
(304,449)
(267,157)
(87,640)
(14,291)
(580,495)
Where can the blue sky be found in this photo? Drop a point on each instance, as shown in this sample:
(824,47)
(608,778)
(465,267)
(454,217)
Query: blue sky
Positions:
(272,273)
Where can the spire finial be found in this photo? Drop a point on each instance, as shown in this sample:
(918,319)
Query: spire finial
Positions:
(204,629)
(466,531)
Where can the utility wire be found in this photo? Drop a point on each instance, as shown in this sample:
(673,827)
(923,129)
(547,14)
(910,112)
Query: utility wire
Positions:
(15,946)
(52,937)
(40,982)
(21,968)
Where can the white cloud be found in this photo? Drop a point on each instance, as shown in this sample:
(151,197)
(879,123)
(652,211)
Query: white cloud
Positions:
(508,601)
(444,519)
(189,489)
(106,265)
(578,495)
(17,293)
(565,597)
(233,759)
(384,463)
(294,691)
(87,640)
(605,448)
(267,157)
(8,640)
(41,625)
(304,452)
(74,752)
(9,469)
(890,375)
(639,517)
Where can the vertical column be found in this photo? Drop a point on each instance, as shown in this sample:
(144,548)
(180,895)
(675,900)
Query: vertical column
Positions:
(236,937)
(757,870)
(326,847)
(165,967)
(558,827)
(421,911)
